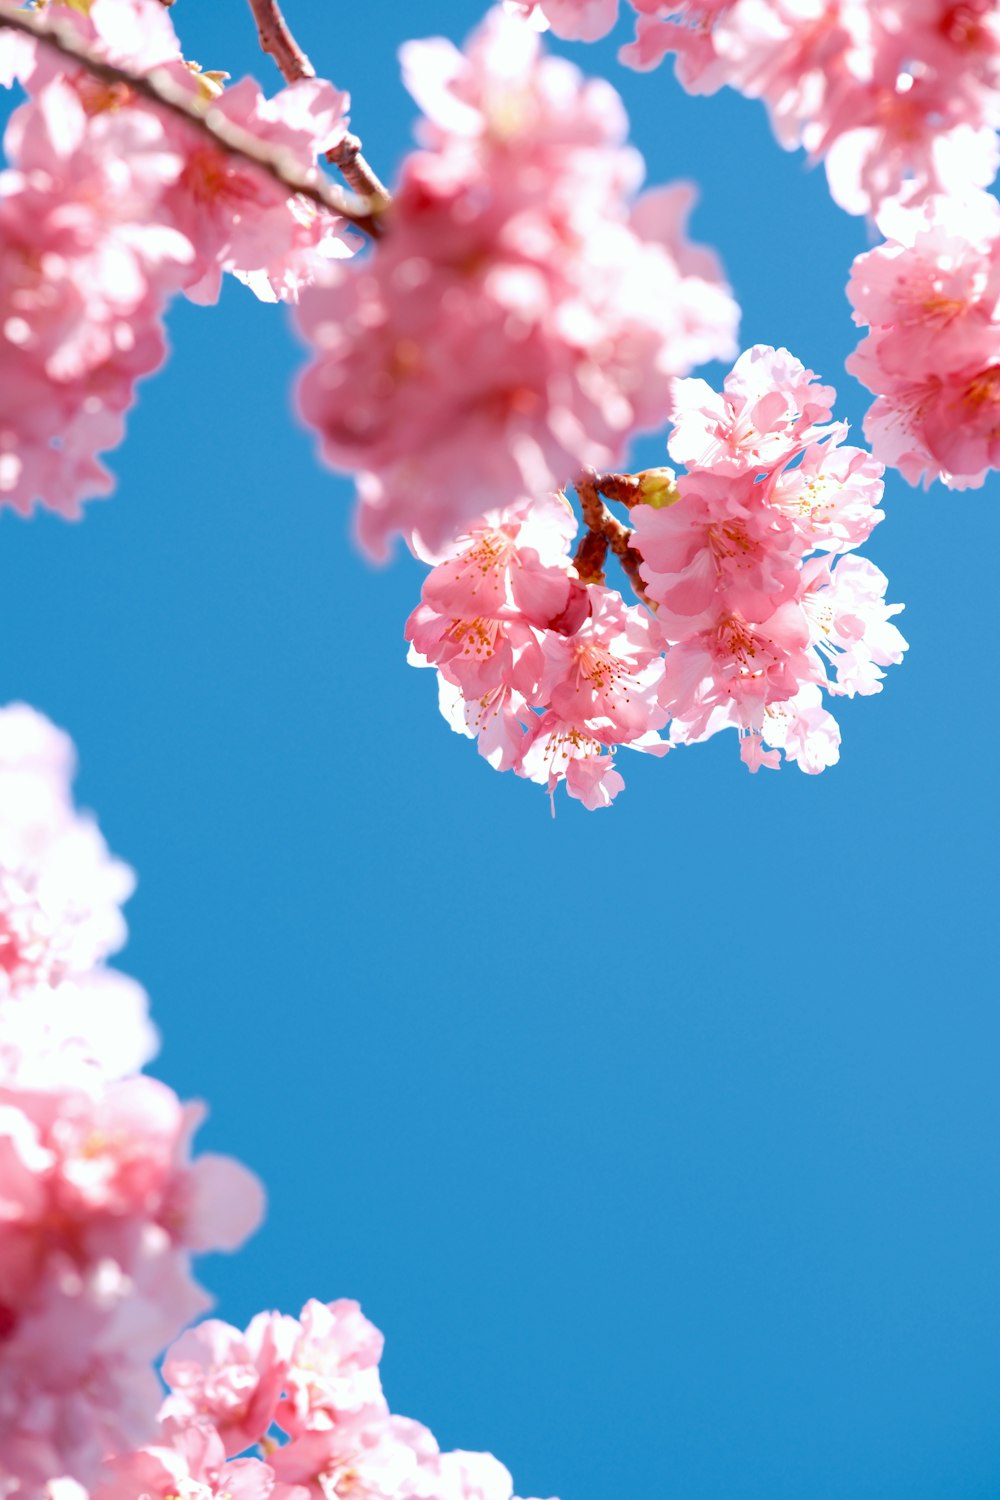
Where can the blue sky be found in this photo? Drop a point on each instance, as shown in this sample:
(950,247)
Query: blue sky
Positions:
(662,1142)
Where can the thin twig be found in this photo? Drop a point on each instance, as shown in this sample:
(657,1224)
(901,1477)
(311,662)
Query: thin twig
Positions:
(160,89)
(602,524)
(277,41)
(357,172)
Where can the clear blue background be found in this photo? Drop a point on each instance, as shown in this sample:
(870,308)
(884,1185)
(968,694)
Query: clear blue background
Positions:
(661,1142)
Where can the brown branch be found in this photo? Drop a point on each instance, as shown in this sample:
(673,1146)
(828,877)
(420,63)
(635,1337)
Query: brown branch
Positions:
(622,488)
(609,532)
(160,89)
(357,172)
(277,41)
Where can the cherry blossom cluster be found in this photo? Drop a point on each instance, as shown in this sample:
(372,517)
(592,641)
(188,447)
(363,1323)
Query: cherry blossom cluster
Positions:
(291,1409)
(100,1204)
(931,297)
(759,617)
(110,206)
(750,618)
(900,97)
(549,674)
(523,314)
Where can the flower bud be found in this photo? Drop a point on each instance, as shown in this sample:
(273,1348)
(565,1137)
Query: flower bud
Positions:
(657,488)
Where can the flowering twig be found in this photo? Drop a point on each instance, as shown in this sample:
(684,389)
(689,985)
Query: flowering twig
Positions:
(605,531)
(278,42)
(159,88)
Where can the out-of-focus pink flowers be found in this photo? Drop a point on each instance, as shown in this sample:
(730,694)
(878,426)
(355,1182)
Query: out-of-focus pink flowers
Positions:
(930,295)
(521,316)
(901,97)
(60,890)
(107,209)
(100,1204)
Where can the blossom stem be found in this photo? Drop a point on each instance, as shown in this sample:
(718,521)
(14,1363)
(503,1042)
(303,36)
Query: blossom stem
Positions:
(160,89)
(601,524)
(277,41)
(357,172)
(624,489)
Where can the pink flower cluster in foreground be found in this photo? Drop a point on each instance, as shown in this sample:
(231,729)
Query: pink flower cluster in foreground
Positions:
(300,1399)
(522,315)
(100,1204)
(751,617)
(931,297)
(901,97)
(107,209)
(100,1209)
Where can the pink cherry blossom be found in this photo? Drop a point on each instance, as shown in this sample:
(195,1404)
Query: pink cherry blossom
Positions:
(230,1378)
(575,20)
(901,97)
(719,541)
(756,615)
(605,676)
(194,1466)
(107,210)
(100,1208)
(332,1371)
(555,751)
(564,317)
(930,295)
(87,261)
(101,1205)
(765,414)
(61,892)
(239,220)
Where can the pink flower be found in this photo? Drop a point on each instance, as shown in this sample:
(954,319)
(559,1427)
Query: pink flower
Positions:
(192,1466)
(800,728)
(238,219)
(901,97)
(605,677)
(575,20)
(332,1373)
(831,497)
(766,413)
(719,545)
(753,622)
(932,356)
(86,264)
(234,1380)
(515,322)
(729,673)
(555,751)
(99,1210)
(60,890)
(849,620)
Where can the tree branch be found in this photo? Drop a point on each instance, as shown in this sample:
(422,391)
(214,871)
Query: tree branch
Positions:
(277,41)
(160,89)
(605,531)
